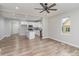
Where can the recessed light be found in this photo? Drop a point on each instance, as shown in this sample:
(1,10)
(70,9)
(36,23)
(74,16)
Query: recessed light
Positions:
(17,7)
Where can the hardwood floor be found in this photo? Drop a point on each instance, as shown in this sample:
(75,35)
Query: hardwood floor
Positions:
(22,46)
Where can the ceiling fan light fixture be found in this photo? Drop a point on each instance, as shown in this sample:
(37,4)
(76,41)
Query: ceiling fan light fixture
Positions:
(46,4)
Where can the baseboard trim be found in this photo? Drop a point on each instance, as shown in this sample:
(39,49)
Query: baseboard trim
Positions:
(2,38)
(44,37)
(5,36)
(74,45)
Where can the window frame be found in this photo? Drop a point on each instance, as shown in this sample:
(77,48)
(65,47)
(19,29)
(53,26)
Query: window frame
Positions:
(65,33)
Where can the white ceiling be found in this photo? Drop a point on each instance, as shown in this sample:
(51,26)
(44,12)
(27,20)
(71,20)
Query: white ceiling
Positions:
(26,10)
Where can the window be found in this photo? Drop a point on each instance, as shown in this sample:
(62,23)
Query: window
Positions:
(66,25)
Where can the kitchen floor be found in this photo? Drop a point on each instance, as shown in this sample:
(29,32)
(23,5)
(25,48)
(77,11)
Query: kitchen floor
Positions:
(21,46)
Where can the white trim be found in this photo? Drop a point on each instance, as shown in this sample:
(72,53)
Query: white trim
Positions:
(65,42)
(1,38)
(44,37)
(4,36)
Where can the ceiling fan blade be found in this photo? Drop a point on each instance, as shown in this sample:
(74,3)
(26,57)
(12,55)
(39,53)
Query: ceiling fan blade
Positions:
(38,8)
(52,9)
(54,4)
(47,11)
(42,11)
(42,5)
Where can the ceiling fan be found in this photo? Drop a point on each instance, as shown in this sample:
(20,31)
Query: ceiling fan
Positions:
(46,7)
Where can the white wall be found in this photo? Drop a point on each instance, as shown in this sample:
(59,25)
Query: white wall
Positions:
(45,27)
(23,30)
(1,28)
(15,25)
(5,28)
(8,27)
(54,28)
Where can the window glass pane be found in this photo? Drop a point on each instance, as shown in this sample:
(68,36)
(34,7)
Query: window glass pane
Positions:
(66,25)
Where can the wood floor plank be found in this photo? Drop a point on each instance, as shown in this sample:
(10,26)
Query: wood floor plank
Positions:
(22,46)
